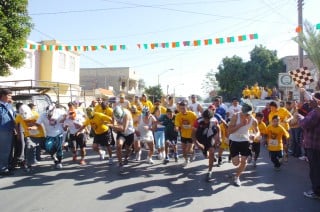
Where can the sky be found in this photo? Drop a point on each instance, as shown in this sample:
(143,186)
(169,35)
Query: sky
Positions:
(182,69)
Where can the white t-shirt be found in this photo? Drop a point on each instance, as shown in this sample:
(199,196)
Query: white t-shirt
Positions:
(53,127)
(233,109)
(74,125)
(194,107)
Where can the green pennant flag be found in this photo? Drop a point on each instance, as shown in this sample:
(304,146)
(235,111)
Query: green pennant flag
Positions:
(26,45)
(156,45)
(145,46)
(318,26)
(221,40)
(60,47)
(123,47)
(32,46)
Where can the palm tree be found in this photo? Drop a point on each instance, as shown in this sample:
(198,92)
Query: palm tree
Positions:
(310,43)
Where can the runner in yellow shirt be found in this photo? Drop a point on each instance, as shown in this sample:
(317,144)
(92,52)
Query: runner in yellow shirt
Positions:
(184,124)
(275,135)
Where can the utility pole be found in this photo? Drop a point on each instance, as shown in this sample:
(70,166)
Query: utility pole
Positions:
(300,25)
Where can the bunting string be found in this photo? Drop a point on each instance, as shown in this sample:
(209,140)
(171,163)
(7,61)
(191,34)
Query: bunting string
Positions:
(172,44)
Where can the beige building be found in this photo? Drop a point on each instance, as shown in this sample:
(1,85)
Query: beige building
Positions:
(58,69)
(119,79)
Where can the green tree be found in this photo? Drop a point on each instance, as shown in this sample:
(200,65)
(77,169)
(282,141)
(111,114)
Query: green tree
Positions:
(15,26)
(310,43)
(263,68)
(154,92)
(231,76)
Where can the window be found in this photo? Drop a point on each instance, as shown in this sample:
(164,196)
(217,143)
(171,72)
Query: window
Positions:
(62,60)
(72,64)
(28,60)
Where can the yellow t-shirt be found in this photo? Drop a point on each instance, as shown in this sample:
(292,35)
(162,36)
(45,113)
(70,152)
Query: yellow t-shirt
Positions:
(185,122)
(98,108)
(246,92)
(223,130)
(147,104)
(163,110)
(108,111)
(38,133)
(136,118)
(274,137)
(98,123)
(262,129)
(283,114)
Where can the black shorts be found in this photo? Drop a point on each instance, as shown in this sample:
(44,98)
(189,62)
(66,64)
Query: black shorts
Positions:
(77,141)
(186,140)
(103,139)
(207,142)
(241,148)
(128,139)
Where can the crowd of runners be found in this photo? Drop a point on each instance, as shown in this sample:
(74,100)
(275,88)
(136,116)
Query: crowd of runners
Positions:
(131,126)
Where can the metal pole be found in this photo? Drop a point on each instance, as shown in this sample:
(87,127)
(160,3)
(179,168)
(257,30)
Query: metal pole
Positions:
(300,24)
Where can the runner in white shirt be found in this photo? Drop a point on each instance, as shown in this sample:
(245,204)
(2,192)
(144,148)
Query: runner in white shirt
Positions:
(234,108)
(195,106)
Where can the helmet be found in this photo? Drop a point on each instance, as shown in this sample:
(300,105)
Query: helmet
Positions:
(118,112)
(90,112)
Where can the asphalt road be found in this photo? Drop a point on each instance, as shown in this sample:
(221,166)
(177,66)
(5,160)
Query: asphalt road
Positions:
(158,187)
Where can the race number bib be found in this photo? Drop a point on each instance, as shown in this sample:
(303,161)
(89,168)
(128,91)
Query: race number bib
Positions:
(273,142)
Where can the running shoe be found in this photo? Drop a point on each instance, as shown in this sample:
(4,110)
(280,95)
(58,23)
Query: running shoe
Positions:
(166,160)
(82,162)
(237,181)
(254,163)
(58,166)
(311,194)
(209,176)
(102,154)
(150,161)
(74,157)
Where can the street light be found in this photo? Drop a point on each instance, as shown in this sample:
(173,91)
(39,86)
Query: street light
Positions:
(174,89)
(165,71)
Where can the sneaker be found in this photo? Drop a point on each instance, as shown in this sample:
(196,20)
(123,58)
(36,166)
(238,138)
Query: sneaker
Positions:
(237,181)
(176,158)
(28,169)
(219,161)
(110,161)
(209,175)
(166,160)
(160,156)
(74,158)
(82,162)
(302,158)
(186,161)
(150,161)
(102,154)
(193,156)
(311,194)
(58,166)
(138,156)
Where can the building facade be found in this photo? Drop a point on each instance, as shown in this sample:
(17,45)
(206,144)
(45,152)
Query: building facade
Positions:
(119,79)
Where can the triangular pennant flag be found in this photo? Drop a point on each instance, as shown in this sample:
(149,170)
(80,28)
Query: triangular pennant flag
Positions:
(152,45)
(156,45)
(145,46)
(298,29)
(217,40)
(51,47)
(175,44)
(60,47)
(26,46)
(139,46)
(104,46)
(69,48)
(318,26)
(123,47)
(32,46)
(113,48)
